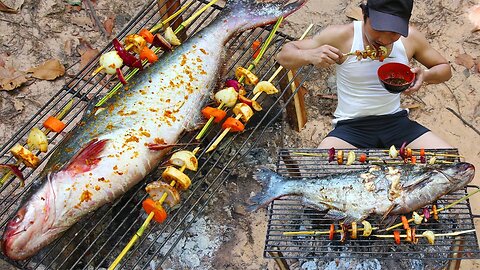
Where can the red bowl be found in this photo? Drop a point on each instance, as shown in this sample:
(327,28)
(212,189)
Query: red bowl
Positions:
(395,77)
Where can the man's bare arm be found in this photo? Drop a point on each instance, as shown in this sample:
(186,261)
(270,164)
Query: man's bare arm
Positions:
(319,50)
(438,69)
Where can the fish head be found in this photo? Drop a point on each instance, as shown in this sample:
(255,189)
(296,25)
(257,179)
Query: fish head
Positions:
(457,175)
(425,185)
(32,227)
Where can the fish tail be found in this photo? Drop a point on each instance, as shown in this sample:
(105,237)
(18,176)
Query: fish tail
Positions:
(271,188)
(246,14)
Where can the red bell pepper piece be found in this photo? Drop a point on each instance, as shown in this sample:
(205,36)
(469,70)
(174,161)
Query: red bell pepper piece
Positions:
(218,114)
(234,125)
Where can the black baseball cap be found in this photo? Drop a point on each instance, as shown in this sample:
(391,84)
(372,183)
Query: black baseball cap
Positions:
(390,15)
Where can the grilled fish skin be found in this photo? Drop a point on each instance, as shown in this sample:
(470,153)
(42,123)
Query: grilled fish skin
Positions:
(107,153)
(379,190)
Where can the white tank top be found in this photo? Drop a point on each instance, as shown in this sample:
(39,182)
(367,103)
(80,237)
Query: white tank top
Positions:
(358,88)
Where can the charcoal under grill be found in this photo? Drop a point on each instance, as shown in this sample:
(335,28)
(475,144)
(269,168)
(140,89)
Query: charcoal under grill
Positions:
(289,215)
(96,240)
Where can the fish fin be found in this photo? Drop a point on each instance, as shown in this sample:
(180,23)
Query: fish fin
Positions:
(412,184)
(388,211)
(271,181)
(389,221)
(315,205)
(88,157)
(335,214)
(246,14)
(91,109)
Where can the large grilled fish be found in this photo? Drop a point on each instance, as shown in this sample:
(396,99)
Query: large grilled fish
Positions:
(108,152)
(355,195)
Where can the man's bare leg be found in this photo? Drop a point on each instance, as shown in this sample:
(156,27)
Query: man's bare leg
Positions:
(429,140)
(330,142)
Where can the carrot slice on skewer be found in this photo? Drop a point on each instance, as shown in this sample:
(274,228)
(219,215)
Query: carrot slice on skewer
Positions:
(54,124)
(159,214)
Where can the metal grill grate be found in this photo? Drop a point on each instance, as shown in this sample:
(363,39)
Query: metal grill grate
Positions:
(95,241)
(288,214)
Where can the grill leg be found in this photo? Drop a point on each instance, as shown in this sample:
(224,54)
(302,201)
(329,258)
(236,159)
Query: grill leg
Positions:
(456,255)
(278,258)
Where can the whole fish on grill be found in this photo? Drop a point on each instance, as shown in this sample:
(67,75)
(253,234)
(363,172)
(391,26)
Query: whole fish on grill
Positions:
(108,151)
(379,190)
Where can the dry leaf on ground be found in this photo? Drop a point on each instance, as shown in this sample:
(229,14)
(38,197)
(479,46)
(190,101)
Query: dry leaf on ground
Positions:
(82,21)
(474,16)
(108,24)
(465,60)
(87,53)
(49,70)
(10,78)
(354,13)
(10,6)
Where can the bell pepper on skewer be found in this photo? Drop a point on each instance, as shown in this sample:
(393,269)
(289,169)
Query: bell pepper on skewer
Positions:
(332,232)
(233,124)
(362,158)
(54,124)
(405,222)
(217,114)
(147,35)
(396,235)
(256,48)
(147,53)
(435,213)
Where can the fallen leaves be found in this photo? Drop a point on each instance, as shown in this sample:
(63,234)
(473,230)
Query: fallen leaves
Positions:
(108,24)
(474,17)
(10,6)
(87,53)
(48,70)
(11,78)
(354,13)
(465,60)
(84,22)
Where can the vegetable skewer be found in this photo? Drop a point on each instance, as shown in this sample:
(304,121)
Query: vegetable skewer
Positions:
(262,50)
(297,233)
(135,70)
(145,224)
(242,78)
(253,64)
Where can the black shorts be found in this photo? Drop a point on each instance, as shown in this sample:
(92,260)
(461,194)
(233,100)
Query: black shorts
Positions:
(379,131)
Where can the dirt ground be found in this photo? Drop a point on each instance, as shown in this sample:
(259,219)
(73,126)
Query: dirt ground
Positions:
(43,30)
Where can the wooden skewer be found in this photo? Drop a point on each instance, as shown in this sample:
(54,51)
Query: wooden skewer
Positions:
(135,70)
(145,224)
(419,235)
(260,54)
(295,233)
